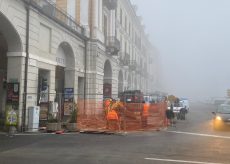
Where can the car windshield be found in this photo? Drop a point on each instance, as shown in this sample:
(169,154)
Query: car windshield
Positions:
(224,109)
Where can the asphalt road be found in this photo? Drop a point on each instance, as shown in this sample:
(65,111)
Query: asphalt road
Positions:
(191,141)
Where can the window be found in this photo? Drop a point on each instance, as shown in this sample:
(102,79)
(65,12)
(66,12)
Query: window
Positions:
(125,23)
(130,29)
(121,42)
(121,16)
(45,38)
(105,26)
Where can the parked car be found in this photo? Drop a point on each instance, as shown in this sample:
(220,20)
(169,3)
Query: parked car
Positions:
(132,96)
(221,116)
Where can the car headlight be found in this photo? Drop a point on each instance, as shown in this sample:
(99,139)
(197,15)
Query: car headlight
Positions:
(218,118)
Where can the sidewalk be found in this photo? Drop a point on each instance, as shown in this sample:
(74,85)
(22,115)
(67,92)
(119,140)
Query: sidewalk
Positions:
(37,133)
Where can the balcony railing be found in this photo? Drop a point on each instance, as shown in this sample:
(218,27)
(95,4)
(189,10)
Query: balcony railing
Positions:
(49,8)
(112,45)
(110,4)
(139,69)
(124,59)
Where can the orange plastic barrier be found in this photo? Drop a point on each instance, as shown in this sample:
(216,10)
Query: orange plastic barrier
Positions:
(111,115)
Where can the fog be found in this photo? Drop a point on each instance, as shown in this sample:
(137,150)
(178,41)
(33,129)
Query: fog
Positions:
(192,38)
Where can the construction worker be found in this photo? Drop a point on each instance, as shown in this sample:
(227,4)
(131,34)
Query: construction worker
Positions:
(145,114)
(112,119)
(107,105)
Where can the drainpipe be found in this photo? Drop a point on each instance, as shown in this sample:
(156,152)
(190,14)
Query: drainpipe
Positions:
(85,75)
(26,66)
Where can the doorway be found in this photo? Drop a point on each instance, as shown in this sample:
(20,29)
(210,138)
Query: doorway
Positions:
(107,80)
(3,74)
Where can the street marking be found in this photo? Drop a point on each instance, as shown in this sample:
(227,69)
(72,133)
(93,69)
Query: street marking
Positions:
(199,134)
(41,134)
(179,161)
(33,134)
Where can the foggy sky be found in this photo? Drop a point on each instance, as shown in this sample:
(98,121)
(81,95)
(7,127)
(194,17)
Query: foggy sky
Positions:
(193,41)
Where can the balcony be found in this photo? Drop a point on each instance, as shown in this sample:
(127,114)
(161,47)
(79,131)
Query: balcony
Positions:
(133,65)
(112,45)
(124,59)
(50,9)
(110,4)
(139,69)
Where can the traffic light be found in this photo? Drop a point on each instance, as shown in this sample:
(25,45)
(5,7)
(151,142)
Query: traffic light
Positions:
(44,84)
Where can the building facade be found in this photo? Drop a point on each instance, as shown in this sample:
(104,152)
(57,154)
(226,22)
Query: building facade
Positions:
(96,48)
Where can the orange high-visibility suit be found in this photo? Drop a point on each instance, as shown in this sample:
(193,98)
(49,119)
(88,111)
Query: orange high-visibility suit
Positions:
(112,119)
(145,110)
(112,115)
(145,114)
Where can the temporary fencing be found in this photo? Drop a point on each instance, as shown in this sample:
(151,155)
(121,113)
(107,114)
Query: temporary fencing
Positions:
(92,112)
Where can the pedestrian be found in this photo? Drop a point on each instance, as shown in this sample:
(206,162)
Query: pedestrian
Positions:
(170,115)
(182,113)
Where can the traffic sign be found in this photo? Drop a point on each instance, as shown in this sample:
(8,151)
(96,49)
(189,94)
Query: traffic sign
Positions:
(11,116)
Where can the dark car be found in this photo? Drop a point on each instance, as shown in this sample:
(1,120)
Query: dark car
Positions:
(132,96)
(221,116)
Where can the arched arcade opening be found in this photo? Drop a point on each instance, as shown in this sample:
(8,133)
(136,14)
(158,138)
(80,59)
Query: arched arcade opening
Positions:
(107,80)
(10,63)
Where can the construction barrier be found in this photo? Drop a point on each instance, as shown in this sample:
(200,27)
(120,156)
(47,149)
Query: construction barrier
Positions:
(93,113)
(120,116)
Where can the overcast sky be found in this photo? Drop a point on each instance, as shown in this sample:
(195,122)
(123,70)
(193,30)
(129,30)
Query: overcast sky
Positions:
(193,41)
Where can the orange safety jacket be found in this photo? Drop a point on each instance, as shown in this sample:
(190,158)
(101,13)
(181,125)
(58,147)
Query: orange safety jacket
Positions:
(112,115)
(145,109)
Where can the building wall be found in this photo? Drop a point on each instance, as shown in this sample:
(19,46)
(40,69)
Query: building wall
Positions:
(45,37)
(52,44)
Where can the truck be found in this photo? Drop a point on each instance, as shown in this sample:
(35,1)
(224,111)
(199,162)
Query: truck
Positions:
(185,104)
(180,107)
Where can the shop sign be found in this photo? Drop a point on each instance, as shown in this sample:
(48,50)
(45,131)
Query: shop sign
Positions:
(60,61)
(68,94)
(13,93)
(11,116)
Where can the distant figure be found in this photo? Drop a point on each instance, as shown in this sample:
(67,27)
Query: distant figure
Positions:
(170,115)
(182,113)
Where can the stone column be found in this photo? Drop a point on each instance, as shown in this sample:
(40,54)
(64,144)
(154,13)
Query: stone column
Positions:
(96,19)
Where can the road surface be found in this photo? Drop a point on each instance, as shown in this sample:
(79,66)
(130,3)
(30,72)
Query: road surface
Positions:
(191,141)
